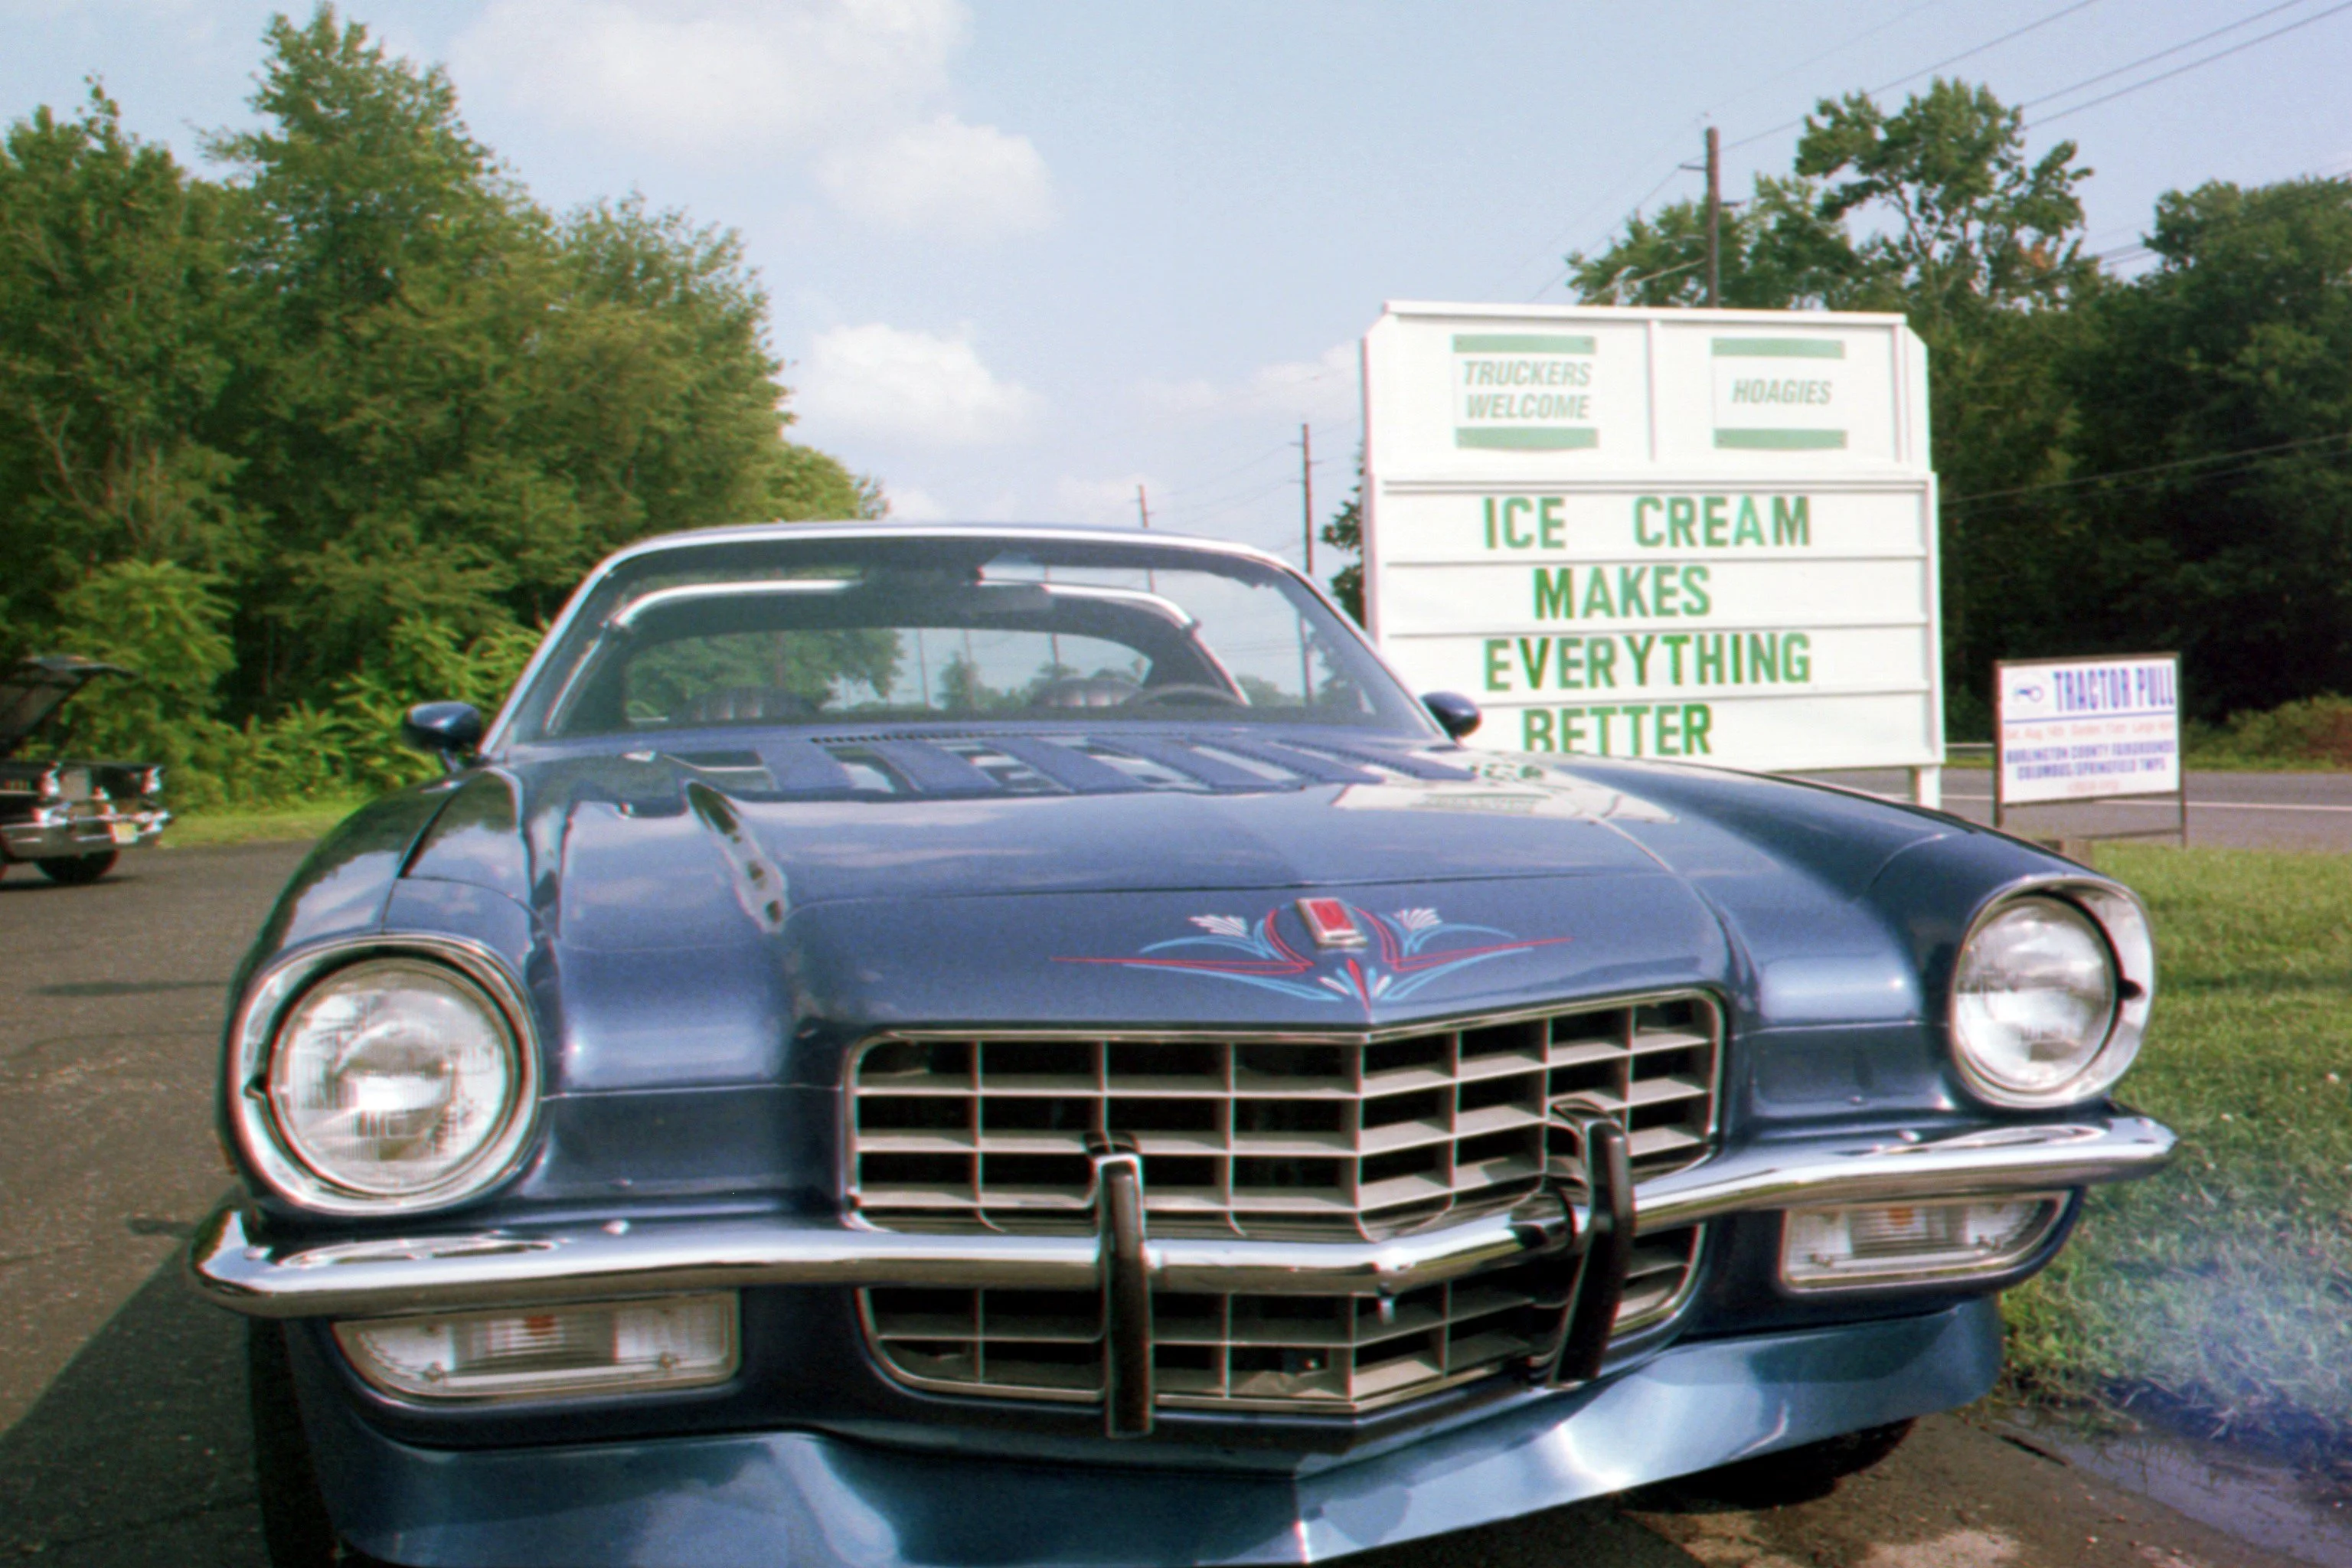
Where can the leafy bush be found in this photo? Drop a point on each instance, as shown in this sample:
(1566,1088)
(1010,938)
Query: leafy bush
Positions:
(2315,732)
(165,623)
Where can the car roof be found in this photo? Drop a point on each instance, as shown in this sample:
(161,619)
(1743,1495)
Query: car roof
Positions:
(855,529)
(852,528)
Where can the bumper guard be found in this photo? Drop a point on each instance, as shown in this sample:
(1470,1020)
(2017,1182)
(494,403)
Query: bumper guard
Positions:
(582,1262)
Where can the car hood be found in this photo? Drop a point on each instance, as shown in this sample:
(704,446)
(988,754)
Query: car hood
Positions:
(698,927)
(33,690)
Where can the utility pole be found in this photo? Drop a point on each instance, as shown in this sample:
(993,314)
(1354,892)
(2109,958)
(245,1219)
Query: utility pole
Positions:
(1142,507)
(1714,217)
(1307,492)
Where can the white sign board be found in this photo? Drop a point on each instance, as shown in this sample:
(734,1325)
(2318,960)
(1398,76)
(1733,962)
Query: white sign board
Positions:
(1676,533)
(2087,729)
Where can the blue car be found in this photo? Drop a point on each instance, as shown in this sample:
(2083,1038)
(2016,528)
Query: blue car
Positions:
(984,1045)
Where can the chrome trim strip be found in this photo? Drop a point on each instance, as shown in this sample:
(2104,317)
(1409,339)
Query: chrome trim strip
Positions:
(582,1262)
(2019,1158)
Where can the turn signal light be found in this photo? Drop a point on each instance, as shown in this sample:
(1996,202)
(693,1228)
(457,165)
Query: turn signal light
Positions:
(1915,1244)
(683,1342)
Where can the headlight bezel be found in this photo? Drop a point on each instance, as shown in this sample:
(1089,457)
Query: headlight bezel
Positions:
(2120,921)
(261,1016)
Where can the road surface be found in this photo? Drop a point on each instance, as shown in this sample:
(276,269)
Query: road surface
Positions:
(2226,811)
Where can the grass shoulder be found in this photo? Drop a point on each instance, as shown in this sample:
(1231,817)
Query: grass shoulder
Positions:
(260,825)
(2217,1291)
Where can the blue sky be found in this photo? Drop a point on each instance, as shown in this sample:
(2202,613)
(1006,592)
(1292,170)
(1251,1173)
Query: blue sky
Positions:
(1027,256)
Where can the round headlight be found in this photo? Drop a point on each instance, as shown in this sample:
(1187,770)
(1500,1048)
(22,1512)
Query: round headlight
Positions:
(397,1078)
(2034,1002)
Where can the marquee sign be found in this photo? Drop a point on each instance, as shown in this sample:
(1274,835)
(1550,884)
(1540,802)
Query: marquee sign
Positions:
(1674,534)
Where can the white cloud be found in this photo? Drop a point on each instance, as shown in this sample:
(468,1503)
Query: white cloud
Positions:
(1105,502)
(709,75)
(1328,387)
(912,505)
(968,181)
(880,380)
(857,88)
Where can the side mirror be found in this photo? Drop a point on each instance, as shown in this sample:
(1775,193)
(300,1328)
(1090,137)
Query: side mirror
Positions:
(1455,714)
(452,728)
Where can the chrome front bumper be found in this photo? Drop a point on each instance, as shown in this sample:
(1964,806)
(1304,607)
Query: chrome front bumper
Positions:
(95,834)
(546,1266)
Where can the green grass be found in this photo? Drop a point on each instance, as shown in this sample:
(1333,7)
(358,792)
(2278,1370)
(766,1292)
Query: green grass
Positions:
(306,819)
(2221,1292)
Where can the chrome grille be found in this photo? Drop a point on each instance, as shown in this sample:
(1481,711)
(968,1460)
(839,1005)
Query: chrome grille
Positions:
(1297,1137)
(1364,1136)
(1283,1353)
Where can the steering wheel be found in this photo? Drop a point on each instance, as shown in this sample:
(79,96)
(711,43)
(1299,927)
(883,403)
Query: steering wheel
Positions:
(1086,691)
(1184,691)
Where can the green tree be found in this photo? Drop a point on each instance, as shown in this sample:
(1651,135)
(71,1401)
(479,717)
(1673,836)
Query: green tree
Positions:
(340,431)
(110,358)
(2240,338)
(457,402)
(1778,251)
(169,627)
(1981,247)
(1963,222)
(1936,212)
(1345,533)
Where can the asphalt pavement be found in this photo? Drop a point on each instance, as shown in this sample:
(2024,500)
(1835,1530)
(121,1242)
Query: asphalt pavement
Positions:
(2226,811)
(122,1429)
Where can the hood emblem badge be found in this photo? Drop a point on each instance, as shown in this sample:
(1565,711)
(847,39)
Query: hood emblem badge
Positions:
(1330,923)
(1368,957)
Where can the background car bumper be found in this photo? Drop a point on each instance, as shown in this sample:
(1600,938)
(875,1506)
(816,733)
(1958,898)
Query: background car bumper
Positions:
(93,835)
(808,1499)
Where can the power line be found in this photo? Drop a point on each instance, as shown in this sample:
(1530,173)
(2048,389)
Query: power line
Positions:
(2192,64)
(1834,49)
(1565,272)
(1709,112)
(2328,183)
(2234,469)
(1556,277)
(1218,478)
(2150,59)
(1215,492)
(2040,22)
(2050,485)
(1551,246)
(1200,510)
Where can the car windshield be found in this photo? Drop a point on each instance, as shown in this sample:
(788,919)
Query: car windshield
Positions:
(919,628)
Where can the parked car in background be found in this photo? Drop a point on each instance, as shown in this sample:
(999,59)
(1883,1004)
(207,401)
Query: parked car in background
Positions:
(68,816)
(949,1044)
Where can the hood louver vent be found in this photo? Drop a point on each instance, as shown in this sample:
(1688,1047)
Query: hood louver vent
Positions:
(936,765)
